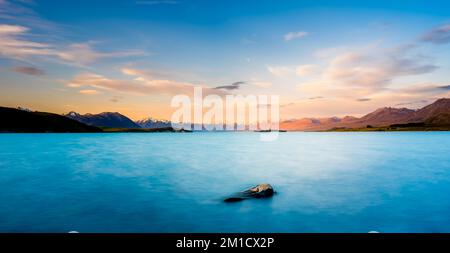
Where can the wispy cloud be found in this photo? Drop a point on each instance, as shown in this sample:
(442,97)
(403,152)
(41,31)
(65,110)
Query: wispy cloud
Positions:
(367,71)
(423,101)
(84,53)
(260,84)
(141,85)
(89,92)
(281,71)
(233,86)
(16,43)
(20,12)
(115,99)
(373,73)
(439,35)
(129,86)
(444,87)
(306,70)
(289,71)
(137,72)
(425,89)
(29,71)
(295,35)
(287,105)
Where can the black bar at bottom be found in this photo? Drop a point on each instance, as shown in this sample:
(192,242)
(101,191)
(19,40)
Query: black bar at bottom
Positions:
(223,242)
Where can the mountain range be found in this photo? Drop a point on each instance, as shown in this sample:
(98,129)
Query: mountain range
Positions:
(104,119)
(151,123)
(117,120)
(25,121)
(435,114)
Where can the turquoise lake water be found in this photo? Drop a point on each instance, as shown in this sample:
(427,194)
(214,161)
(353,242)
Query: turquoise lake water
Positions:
(166,182)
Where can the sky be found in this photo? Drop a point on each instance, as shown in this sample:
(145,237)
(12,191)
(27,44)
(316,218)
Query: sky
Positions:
(322,58)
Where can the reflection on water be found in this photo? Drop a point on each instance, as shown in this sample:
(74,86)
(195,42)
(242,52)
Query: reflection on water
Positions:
(165,182)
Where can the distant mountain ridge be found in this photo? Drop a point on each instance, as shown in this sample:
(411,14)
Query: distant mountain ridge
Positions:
(437,113)
(151,123)
(25,121)
(104,119)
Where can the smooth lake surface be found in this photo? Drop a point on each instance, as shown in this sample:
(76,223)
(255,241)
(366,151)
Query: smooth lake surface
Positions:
(168,182)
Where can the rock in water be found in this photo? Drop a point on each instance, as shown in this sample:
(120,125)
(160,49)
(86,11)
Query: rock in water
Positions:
(259,191)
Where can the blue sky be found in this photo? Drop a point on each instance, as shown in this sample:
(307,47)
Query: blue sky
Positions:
(324,58)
